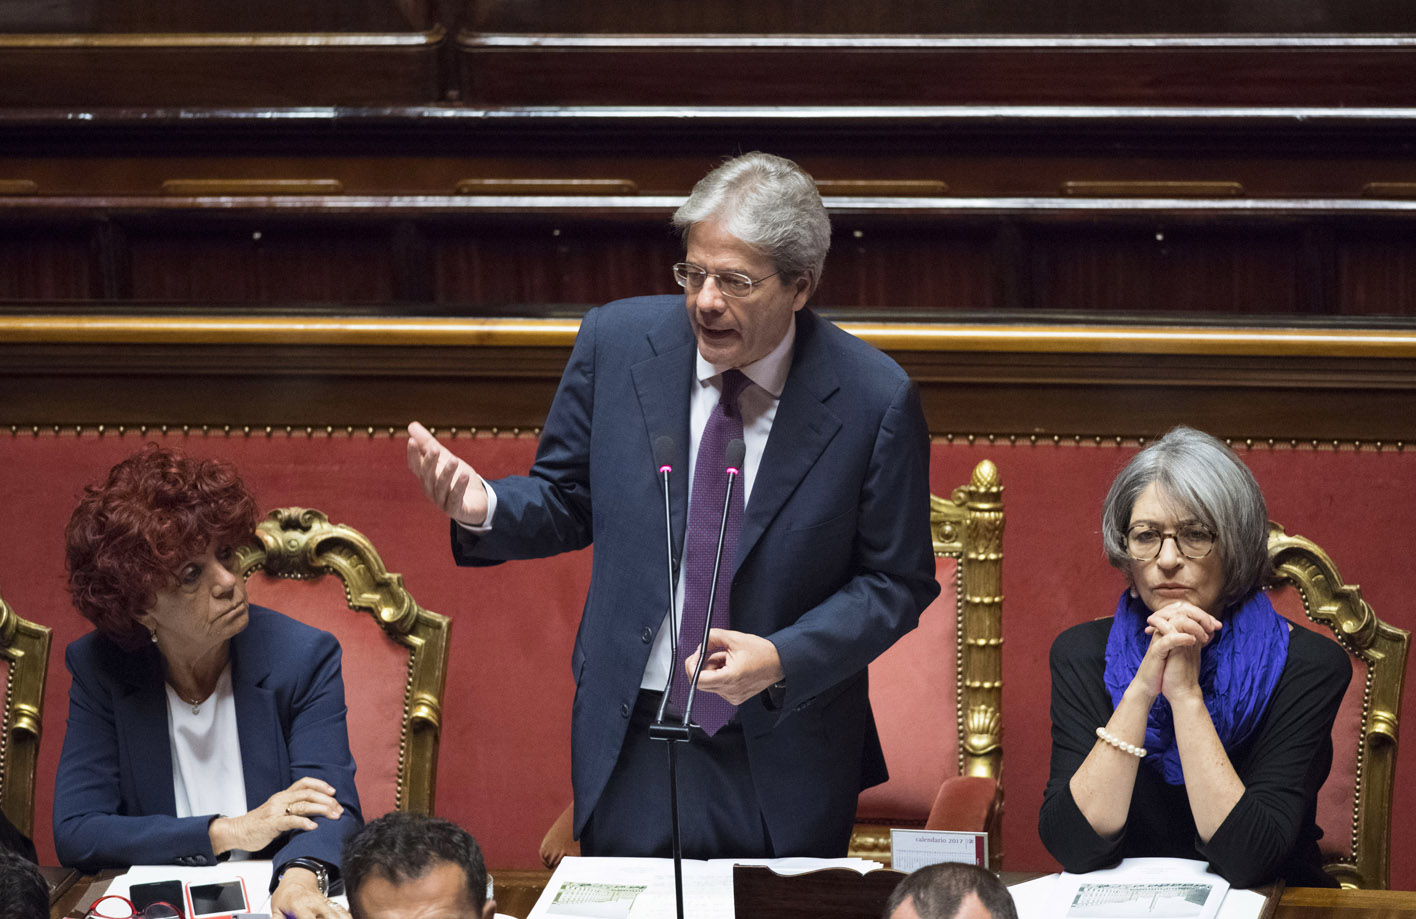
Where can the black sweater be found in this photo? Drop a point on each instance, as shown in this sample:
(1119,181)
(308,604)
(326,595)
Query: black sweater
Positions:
(1272,831)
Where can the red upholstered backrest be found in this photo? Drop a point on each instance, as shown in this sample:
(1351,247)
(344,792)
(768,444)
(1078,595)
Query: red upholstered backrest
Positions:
(914,694)
(1338,797)
(504,766)
(375,677)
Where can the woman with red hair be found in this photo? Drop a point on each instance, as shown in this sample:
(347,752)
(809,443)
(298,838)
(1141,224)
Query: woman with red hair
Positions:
(200,727)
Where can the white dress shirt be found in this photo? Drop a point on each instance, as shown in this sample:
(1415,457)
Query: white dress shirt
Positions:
(758,404)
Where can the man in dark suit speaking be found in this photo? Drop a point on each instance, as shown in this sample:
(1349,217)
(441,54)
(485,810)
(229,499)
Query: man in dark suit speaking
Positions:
(827,557)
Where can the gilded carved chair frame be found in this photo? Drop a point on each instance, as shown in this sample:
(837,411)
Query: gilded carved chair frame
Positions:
(1299,561)
(301,544)
(968,526)
(25,645)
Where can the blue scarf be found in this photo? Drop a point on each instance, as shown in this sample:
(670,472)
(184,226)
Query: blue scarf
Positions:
(1238,670)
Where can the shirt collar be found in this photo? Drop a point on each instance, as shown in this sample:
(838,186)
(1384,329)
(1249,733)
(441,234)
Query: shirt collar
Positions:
(769,371)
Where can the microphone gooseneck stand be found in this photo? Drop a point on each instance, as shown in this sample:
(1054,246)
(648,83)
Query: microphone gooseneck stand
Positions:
(675,733)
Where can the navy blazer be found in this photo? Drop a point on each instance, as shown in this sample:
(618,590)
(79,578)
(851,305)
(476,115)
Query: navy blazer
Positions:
(835,560)
(114,804)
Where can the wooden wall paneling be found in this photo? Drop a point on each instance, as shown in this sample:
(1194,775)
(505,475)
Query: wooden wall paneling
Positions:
(1014,278)
(1162,267)
(952,267)
(1001,17)
(1318,284)
(147,17)
(976,151)
(922,256)
(412,263)
(45,261)
(255,260)
(1375,271)
(109,253)
(718,70)
(1316,382)
(281,70)
(497,262)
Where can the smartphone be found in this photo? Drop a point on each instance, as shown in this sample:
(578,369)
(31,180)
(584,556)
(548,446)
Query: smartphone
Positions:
(221,900)
(145,895)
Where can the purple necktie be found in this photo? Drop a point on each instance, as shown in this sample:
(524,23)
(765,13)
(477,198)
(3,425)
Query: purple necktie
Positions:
(705,512)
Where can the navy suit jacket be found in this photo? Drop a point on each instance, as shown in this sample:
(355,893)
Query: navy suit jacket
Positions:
(835,559)
(114,803)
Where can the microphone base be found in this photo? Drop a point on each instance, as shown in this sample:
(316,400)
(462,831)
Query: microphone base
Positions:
(672,733)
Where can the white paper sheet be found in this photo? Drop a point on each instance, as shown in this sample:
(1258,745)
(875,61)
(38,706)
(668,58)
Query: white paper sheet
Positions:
(1055,895)
(643,888)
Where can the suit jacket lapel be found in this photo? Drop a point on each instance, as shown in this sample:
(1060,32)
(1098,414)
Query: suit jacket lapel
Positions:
(804,425)
(662,383)
(140,716)
(256,721)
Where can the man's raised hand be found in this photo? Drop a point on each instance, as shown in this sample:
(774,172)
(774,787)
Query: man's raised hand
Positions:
(449,482)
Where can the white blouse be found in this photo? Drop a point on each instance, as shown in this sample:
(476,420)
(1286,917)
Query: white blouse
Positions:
(207,777)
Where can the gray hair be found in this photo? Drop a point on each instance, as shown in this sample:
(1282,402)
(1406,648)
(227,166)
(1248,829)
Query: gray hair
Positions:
(1205,479)
(767,202)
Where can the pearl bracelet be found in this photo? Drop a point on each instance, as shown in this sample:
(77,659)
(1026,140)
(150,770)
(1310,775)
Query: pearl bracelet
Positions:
(1118,743)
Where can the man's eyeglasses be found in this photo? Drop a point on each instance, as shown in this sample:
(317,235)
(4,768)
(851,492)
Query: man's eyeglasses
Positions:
(1194,540)
(731,283)
(113,906)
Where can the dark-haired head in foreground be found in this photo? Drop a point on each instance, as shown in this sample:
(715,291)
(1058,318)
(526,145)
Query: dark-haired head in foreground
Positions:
(406,865)
(951,890)
(23,892)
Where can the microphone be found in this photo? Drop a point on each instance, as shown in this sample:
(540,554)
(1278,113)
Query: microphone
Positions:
(733,457)
(664,453)
(664,459)
(735,454)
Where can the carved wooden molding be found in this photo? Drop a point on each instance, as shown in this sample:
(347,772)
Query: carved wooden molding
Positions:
(1339,606)
(968,526)
(301,543)
(510,332)
(25,647)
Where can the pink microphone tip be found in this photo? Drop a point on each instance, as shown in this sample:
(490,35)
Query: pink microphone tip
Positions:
(666,468)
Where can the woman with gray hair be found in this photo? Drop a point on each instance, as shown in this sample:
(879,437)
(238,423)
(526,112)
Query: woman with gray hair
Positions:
(1196,722)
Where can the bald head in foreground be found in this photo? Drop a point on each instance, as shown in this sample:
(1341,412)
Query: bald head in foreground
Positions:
(951,890)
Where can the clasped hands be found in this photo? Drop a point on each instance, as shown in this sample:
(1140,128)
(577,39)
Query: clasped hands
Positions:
(1179,631)
(739,665)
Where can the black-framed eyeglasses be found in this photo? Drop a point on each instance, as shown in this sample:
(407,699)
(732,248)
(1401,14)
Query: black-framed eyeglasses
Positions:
(1194,540)
(732,283)
(113,906)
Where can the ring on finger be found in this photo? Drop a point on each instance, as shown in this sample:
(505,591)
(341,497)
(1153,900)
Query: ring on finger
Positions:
(288,811)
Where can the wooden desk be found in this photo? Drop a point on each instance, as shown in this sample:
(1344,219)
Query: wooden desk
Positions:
(1317,903)
(516,893)
(75,896)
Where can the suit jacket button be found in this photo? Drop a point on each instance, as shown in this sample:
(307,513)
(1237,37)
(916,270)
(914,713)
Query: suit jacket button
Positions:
(624,709)
(647,635)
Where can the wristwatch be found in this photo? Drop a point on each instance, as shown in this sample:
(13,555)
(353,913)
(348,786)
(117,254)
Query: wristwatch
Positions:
(313,865)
